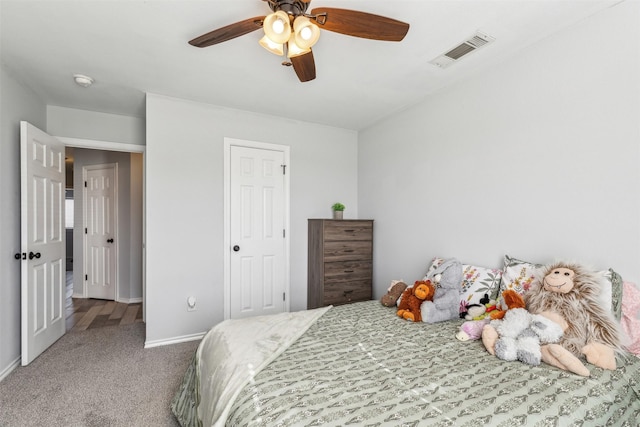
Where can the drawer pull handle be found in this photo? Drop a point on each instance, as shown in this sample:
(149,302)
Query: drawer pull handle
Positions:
(349,231)
(348,250)
(348,292)
(348,271)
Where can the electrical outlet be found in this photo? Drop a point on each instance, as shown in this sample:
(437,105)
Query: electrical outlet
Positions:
(191,304)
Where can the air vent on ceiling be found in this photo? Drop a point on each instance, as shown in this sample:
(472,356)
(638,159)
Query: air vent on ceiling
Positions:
(472,44)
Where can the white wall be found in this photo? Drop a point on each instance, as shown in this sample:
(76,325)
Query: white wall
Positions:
(74,123)
(537,158)
(17,102)
(184,203)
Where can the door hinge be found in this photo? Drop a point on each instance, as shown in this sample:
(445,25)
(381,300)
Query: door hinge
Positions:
(85,231)
(284,169)
(86,277)
(85,184)
(283,296)
(284,233)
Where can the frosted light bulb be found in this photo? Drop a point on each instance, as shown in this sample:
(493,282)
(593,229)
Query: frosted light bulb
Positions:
(306,33)
(278,26)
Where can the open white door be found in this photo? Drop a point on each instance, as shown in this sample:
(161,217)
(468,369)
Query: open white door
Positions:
(42,241)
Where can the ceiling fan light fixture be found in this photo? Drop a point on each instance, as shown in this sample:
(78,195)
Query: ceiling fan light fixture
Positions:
(271,46)
(305,32)
(277,27)
(293,31)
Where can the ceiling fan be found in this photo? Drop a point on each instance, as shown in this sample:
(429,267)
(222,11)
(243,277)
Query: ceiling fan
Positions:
(291,32)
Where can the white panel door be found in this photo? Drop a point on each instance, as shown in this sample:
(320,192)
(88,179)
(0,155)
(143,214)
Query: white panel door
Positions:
(42,241)
(257,273)
(100,231)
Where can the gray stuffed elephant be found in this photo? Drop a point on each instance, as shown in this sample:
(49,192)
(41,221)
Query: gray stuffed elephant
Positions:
(446,300)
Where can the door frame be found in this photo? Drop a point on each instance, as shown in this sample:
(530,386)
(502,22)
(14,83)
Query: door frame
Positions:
(285,149)
(85,258)
(94,144)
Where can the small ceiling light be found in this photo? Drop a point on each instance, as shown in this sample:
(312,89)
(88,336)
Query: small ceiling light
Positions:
(82,80)
(277,27)
(272,47)
(294,50)
(305,32)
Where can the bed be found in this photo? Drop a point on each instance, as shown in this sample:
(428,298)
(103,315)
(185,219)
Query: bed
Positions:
(360,364)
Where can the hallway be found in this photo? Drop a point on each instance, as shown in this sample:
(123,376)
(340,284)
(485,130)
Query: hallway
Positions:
(88,313)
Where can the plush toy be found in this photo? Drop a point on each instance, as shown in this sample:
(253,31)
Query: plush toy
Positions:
(510,299)
(412,299)
(393,293)
(477,316)
(478,311)
(472,329)
(446,300)
(568,294)
(520,335)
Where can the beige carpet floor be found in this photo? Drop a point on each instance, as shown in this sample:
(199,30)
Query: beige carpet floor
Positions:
(97,377)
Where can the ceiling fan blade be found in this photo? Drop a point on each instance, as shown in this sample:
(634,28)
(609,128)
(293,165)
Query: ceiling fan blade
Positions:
(360,24)
(228,32)
(304,66)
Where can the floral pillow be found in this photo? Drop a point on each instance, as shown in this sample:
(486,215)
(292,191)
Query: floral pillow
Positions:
(611,293)
(435,263)
(517,275)
(477,282)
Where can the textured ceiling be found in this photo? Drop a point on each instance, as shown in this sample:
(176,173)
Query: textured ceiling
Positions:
(133,47)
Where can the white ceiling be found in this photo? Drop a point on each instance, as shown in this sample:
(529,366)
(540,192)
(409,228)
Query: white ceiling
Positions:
(131,47)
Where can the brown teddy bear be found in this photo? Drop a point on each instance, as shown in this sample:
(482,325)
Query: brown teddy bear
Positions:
(393,293)
(412,299)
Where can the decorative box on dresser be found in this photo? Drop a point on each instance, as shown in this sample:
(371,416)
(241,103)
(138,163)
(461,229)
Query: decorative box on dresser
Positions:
(340,264)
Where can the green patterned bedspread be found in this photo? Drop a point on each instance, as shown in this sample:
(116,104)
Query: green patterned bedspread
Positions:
(359,364)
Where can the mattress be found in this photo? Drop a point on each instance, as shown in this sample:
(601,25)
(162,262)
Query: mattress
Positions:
(359,364)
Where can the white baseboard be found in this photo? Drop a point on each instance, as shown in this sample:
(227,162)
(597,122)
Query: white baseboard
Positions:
(122,300)
(130,300)
(13,365)
(175,340)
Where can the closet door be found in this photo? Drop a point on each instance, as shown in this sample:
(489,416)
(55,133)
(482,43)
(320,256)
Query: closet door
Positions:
(257,218)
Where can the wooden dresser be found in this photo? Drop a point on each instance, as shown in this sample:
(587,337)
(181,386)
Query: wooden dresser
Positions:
(340,264)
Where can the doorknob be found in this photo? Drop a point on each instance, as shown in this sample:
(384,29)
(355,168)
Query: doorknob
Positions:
(109,240)
(32,255)
(236,248)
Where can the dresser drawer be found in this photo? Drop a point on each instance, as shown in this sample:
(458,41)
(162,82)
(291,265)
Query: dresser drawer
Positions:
(346,271)
(339,262)
(348,230)
(344,293)
(345,251)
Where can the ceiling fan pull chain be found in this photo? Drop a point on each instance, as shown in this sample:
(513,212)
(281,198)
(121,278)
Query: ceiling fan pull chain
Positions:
(286,62)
